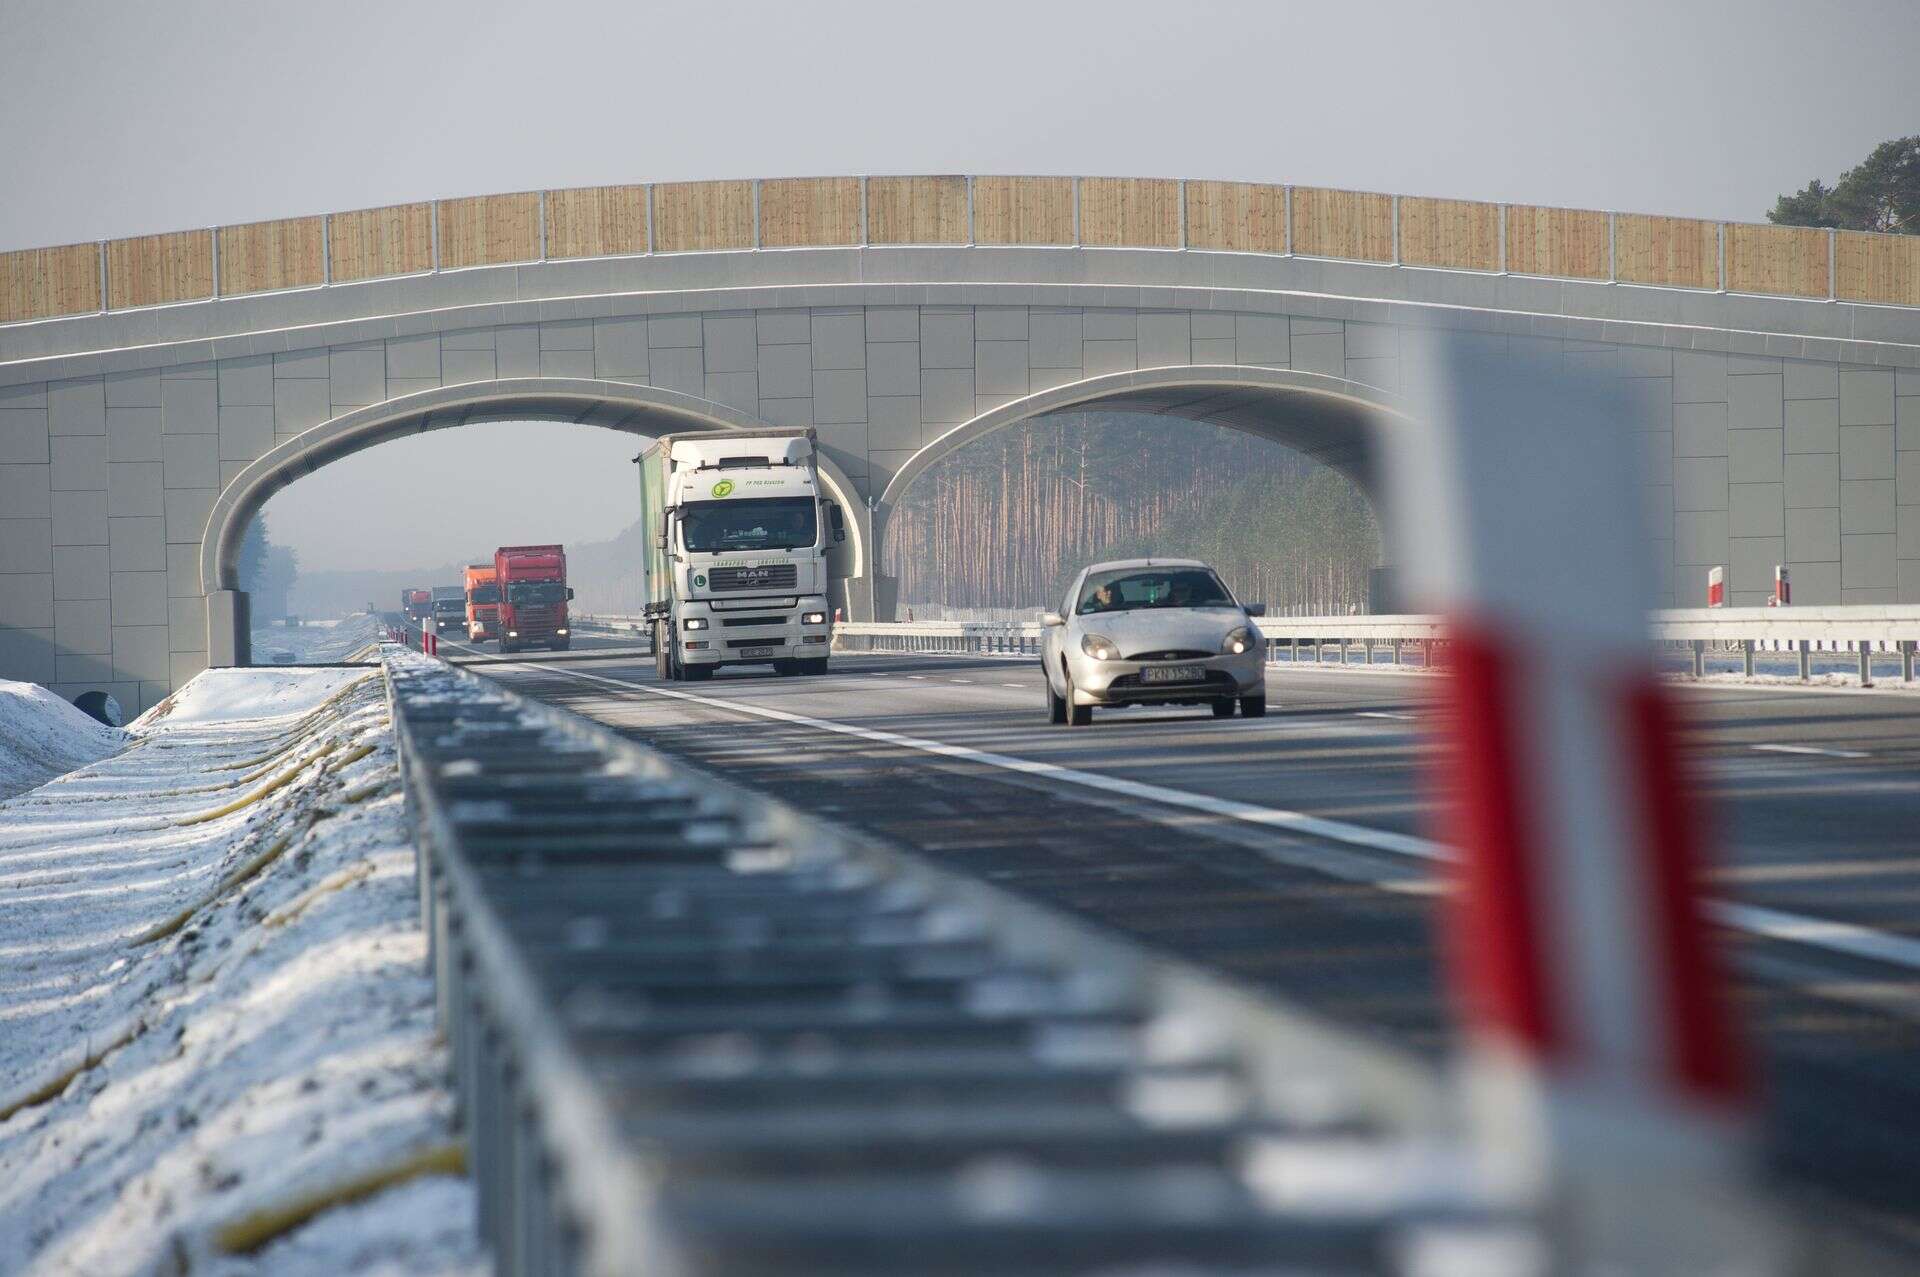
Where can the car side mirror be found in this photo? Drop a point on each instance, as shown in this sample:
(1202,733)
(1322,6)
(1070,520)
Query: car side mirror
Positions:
(1256,609)
(1051,619)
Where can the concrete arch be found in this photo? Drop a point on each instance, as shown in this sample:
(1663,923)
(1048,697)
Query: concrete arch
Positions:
(635,409)
(1338,422)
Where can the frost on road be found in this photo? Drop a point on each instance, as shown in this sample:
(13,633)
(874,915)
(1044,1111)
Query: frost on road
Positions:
(216,1025)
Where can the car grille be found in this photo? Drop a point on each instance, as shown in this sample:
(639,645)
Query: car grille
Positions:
(773,576)
(1172,654)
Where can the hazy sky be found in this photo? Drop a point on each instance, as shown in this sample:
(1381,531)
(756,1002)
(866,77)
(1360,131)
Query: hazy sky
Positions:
(122,118)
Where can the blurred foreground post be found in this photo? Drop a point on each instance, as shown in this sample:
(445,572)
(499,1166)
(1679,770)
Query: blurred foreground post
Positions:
(1604,1076)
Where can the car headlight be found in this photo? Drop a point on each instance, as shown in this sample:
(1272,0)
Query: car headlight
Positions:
(1240,640)
(1100,647)
(694,623)
(813,618)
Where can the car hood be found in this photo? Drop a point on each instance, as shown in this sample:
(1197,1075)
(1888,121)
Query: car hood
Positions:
(1158,629)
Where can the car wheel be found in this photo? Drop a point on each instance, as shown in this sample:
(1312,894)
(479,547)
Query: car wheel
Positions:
(1077,715)
(1056,708)
(1223,709)
(1253,706)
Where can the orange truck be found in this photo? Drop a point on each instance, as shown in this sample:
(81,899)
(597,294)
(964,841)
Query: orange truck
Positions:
(483,603)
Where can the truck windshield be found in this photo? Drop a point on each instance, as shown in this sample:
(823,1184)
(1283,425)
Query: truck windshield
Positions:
(484,594)
(774,523)
(536,592)
(449,605)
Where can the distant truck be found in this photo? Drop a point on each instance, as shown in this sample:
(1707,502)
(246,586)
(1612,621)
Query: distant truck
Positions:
(416,605)
(449,608)
(533,596)
(483,603)
(737,539)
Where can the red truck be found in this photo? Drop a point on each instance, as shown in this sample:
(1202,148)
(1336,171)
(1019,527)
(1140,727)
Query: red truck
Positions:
(417,605)
(533,596)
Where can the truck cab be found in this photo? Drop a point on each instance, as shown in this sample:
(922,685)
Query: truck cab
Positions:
(483,603)
(737,557)
(449,608)
(533,596)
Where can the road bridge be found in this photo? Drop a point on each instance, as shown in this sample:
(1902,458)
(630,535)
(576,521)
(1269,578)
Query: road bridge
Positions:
(155,391)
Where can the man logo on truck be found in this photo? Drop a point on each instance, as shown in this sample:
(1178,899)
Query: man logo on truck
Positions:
(724,488)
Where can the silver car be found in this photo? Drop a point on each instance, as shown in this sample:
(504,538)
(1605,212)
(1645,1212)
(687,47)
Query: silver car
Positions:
(1152,632)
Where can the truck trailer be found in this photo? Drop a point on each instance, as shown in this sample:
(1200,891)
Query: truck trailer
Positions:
(483,603)
(533,596)
(737,538)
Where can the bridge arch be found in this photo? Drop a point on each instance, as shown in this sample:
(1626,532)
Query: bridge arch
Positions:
(645,411)
(1337,422)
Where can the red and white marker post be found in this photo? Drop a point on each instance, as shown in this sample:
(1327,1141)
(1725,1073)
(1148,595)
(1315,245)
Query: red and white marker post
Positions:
(1782,588)
(1605,1076)
(1716,587)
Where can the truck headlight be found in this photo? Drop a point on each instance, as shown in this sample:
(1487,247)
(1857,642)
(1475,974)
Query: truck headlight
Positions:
(1238,641)
(513,633)
(694,623)
(559,631)
(1100,647)
(813,618)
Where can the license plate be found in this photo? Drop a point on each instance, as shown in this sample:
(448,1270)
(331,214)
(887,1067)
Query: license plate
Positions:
(1171,674)
(756,651)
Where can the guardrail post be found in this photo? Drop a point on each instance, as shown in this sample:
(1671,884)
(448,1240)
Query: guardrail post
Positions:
(1906,660)
(1343,653)
(1426,653)
(1806,661)
(1318,648)
(1369,653)
(1866,663)
(1746,657)
(1699,657)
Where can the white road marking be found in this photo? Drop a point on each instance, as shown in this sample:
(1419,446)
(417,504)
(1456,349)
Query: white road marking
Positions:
(1811,749)
(1021,686)
(921,677)
(1379,713)
(959,680)
(1835,937)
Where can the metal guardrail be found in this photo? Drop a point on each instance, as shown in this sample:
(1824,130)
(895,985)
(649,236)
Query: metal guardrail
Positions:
(695,1032)
(1857,633)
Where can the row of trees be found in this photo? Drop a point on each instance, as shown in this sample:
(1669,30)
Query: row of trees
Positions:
(1881,193)
(1008,520)
(266,571)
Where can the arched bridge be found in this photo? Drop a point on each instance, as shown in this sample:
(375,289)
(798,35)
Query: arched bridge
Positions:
(154,391)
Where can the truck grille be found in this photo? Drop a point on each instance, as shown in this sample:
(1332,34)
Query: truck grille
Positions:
(772,576)
(753,620)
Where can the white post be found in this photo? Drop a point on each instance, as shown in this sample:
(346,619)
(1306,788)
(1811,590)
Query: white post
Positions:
(1603,1069)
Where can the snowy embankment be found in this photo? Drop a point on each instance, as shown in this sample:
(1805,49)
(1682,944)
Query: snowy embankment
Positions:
(42,736)
(217,1040)
(318,642)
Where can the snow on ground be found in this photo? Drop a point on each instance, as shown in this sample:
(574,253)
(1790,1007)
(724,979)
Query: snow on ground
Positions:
(317,641)
(41,736)
(204,1022)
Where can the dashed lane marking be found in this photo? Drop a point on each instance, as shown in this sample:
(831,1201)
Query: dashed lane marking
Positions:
(1380,713)
(1811,749)
(1819,933)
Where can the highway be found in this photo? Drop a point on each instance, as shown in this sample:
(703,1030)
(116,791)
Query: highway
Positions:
(1289,852)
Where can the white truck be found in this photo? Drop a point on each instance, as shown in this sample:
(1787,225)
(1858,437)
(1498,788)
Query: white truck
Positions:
(737,540)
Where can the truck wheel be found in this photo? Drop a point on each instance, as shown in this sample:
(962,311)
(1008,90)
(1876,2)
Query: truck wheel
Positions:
(816,667)
(696,673)
(786,669)
(562,645)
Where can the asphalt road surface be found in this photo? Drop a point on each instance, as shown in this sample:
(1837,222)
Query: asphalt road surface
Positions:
(1287,851)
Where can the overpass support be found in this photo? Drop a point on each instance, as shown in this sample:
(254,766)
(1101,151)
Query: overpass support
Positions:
(229,629)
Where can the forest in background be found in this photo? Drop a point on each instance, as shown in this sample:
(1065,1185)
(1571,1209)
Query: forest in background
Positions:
(1008,520)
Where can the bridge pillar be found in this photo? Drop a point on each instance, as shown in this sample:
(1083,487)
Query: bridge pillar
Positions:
(229,629)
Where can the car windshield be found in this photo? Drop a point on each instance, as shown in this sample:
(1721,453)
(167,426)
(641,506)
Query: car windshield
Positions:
(536,592)
(1129,589)
(774,523)
(484,594)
